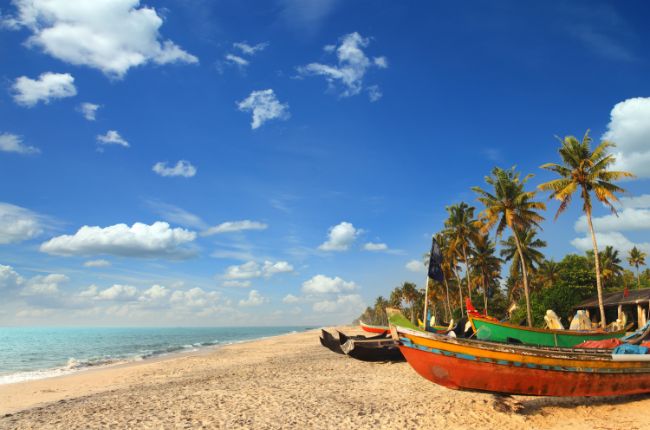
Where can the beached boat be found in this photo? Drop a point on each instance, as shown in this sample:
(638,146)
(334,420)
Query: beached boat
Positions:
(474,365)
(494,331)
(330,342)
(373,328)
(377,349)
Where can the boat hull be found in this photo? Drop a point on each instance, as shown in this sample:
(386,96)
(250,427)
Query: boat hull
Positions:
(507,333)
(373,328)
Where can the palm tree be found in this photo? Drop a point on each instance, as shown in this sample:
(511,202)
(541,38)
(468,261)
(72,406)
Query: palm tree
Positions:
(585,171)
(485,263)
(380,317)
(410,295)
(636,258)
(609,264)
(451,263)
(462,230)
(509,205)
(530,246)
(548,273)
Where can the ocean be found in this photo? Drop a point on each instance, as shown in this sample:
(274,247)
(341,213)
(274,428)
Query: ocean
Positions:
(28,353)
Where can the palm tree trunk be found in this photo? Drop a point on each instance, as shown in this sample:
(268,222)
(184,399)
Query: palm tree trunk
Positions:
(524,277)
(448,313)
(484,295)
(599,287)
(460,292)
(638,278)
(469,287)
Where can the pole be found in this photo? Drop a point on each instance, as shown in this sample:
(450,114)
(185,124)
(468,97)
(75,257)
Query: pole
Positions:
(426,303)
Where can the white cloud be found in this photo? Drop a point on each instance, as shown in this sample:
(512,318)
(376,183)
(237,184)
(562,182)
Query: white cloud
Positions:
(117,292)
(18,224)
(627,219)
(254,299)
(182,168)
(237,60)
(629,128)
(13,143)
(370,246)
(44,285)
(321,284)
(614,239)
(97,263)
(112,137)
(252,269)
(140,240)
(415,266)
(235,226)
(237,284)
(374,93)
(340,237)
(290,298)
(154,293)
(10,280)
(265,106)
(28,92)
(89,110)
(176,215)
(343,303)
(108,35)
(353,64)
(642,201)
(247,49)
(195,298)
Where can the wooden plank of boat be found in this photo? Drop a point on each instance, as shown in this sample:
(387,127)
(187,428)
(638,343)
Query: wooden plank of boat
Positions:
(474,365)
(372,349)
(495,331)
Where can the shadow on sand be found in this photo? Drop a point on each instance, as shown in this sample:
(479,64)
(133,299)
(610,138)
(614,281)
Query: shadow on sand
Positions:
(531,406)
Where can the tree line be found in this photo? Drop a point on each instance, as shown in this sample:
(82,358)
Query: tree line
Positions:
(471,267)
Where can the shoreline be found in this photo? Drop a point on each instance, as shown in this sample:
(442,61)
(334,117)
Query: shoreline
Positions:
(287,381)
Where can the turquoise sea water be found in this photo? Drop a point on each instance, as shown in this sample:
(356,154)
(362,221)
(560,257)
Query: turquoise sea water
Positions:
(34,353)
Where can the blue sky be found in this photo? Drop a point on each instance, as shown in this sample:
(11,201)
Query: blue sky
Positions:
(194,162)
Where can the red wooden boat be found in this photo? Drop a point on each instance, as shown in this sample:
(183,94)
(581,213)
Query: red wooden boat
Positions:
(373,328)
(465,364)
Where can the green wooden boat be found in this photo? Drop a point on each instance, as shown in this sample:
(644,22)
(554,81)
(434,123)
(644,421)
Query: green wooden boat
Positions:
(494,331)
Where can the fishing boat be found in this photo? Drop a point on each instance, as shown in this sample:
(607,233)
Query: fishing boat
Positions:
(475,365)
(330,342)
(495,331)
(373,328)
(377,349)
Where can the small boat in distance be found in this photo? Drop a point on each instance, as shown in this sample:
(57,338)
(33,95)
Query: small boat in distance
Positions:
(373,328)
(494,331)
(474,365)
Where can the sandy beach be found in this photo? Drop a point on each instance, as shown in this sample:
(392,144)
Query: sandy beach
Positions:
(288,381)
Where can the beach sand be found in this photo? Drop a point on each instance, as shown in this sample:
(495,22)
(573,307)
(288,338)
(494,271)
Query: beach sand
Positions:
(288,381)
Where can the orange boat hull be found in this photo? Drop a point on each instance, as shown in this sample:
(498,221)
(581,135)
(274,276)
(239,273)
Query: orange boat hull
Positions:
(373,328)
(473,375)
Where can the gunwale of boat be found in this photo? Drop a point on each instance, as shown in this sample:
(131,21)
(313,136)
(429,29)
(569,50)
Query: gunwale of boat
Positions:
(549,331)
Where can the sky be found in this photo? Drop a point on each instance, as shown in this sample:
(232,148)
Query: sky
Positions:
(284,162)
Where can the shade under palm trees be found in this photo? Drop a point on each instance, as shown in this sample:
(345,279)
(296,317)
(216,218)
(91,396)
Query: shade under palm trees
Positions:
(507,204)
(588,172)
(636,258)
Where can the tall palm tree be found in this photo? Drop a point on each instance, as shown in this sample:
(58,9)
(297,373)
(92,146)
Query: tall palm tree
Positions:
(610,267)
(462,230)
(548,273)
(410,295)
(530,246)
(451,262)
(588,172)
(509,205)
(380,311)
(485,263)
(636,258)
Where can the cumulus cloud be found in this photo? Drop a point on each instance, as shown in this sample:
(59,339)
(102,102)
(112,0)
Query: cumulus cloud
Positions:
(629,128)
(343,303)
(18,224)
(112,137)
(415,266)
(195,298)
(235,226)
(154,294)
(352,66)
(614,239)
(111,36)
(370,246)
(236,284)
(340,237)
(321,284)
(44,285)
(13,143)
(247,49)
(182,168)
(157,240)
(642,201)
(49,86)
(627,219)
(254,299)
(89,110)
(253,269)
(290,299)
(10,280)
(265,106)
(117,292)
(97,263)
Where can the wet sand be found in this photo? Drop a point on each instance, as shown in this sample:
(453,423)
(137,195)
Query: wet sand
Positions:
(288,381)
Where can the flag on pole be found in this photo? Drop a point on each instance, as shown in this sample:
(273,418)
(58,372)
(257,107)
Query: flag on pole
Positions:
(435,259)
